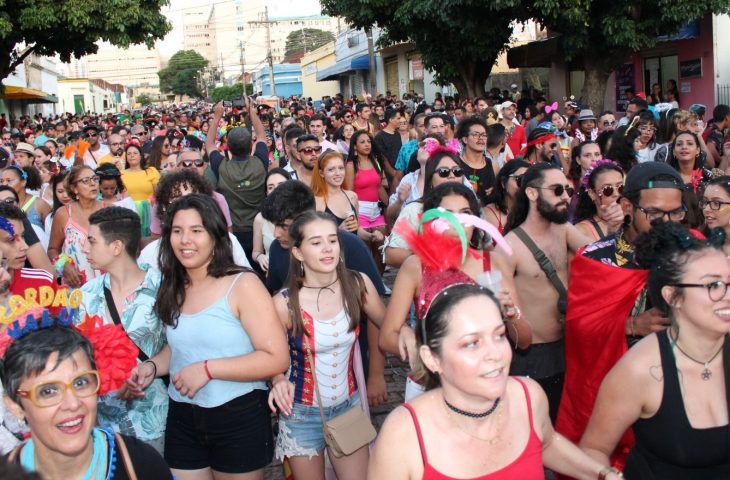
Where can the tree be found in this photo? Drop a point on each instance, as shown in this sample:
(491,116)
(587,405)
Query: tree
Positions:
(182,73)
(143,99)
(601,35)
(306,40)
(230,92)
(460,44)
(72,28)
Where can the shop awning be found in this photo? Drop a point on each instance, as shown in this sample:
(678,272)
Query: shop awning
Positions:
(28,95)
(343,66)
(539,53)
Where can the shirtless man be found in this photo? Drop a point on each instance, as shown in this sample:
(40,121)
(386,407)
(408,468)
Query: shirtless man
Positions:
(362,122)
(541,211)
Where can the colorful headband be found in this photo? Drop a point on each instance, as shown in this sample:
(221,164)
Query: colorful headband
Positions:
(538,141)
(584,181)
(551,108)
(434,147)
(23,174)
(114,352)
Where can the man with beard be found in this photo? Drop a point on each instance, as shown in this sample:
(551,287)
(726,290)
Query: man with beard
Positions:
(515,134)
(608,308)
(538,220)
(308,148)
(23,281)
(116,152)
(542,147)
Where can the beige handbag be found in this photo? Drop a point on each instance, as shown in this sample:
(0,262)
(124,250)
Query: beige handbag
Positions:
(346,433)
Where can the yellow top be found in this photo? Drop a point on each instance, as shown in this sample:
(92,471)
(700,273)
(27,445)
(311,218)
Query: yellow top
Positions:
(140,185)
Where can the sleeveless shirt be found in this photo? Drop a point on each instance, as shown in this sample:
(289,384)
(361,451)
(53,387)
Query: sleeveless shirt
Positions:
(527,466)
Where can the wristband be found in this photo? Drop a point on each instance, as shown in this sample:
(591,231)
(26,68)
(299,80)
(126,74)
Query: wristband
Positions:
(207,372)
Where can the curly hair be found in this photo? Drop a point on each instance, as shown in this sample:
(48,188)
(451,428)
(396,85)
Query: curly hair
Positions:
(665,251)
(170,188)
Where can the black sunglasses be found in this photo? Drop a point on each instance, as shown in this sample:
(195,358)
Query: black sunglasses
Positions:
(198,162)
(444,172)
(559,190)
(310,150)
(608,190)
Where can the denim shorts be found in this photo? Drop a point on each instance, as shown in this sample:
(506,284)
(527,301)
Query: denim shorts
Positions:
(301,433)
(235,437)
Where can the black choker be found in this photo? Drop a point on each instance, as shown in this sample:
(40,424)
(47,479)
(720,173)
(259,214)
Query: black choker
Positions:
(326,287)
(470,414)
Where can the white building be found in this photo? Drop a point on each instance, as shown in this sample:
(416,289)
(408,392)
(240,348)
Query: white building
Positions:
(81,95)
(32,88)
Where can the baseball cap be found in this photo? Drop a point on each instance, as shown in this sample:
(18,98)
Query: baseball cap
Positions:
(506,105)
(650,175)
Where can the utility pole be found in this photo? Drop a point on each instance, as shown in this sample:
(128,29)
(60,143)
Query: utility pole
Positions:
(371,62)
(270,57)
(243,67)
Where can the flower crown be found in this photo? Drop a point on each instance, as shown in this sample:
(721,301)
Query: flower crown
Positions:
(114,352)
(584,181)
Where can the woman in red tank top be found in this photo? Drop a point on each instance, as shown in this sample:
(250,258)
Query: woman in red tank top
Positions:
(475,421)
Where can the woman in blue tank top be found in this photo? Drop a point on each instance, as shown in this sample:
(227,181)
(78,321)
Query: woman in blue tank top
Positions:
(224,341)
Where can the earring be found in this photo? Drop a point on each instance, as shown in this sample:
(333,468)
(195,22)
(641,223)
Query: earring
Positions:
(301,268)
(627,221)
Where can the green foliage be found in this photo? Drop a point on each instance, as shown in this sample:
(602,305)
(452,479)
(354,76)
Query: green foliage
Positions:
(459,40)
(230,92)
(71,28)
(143,99)
(182,73)
(307,39)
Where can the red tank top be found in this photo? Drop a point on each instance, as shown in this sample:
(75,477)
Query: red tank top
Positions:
(527,466)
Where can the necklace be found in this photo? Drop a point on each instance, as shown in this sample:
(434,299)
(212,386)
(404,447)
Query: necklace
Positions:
(471,414)
(326,287)
(96,470)
(706,372)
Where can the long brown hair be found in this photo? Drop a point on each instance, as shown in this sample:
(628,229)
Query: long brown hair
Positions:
(352,286)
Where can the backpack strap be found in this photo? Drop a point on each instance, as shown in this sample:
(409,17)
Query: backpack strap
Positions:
(546,266)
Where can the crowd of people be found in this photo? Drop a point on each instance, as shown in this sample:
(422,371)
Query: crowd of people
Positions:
(560,290)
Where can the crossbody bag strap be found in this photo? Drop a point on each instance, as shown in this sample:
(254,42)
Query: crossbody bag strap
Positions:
(128,465)
(545,264)
(111,306)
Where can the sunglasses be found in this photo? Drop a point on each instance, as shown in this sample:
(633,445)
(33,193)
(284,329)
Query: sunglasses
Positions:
(559,190)
(608,190)
(607,123)
(518,178)
(91,135)
(444,172)
(199,162)
(311,150)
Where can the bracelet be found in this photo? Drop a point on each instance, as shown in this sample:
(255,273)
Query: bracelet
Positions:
(207,372)
(61,262)
(605,471)
(154,365)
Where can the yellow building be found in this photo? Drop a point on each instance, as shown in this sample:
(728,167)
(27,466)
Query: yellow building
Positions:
(313,62)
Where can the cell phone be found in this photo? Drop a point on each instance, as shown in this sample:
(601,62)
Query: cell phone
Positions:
(226,103)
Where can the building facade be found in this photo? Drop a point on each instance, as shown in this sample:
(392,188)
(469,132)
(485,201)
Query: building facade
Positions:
(287,79)
(32,88)
(81,95)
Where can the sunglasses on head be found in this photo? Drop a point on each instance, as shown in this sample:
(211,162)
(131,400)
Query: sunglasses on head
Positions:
(608,190)
(198,162)
(444,172)
(310,150)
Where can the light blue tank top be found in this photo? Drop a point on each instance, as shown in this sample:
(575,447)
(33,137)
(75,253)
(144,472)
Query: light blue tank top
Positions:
(214,332)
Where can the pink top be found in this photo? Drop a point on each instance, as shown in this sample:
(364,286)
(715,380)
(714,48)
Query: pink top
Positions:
(527,466)
(367,185)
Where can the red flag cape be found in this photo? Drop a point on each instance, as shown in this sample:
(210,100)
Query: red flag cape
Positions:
(600,299)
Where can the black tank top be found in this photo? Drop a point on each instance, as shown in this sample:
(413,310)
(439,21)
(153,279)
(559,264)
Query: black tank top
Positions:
(667,447)
(338,219)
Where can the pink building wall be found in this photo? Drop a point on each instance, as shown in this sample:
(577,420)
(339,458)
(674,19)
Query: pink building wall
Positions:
(702,89)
